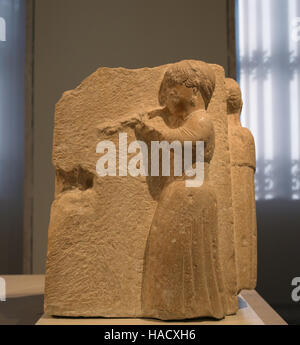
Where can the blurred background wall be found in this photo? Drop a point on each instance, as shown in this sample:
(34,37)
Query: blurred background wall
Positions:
(12,106)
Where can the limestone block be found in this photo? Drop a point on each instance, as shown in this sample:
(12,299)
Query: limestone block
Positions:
(243,165)
(98,231)
(220,179)
(99,226)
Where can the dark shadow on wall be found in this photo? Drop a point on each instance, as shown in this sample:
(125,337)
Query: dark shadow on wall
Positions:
(278,255)
(11,224)
(22,310)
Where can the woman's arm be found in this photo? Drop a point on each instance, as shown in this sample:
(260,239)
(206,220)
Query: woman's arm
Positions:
(194,129)
(111,127)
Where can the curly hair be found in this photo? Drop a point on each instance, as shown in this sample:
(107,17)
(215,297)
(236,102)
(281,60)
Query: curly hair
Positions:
(234,96)
(191,73)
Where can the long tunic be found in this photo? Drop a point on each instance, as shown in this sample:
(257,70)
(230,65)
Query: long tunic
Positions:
(182,277)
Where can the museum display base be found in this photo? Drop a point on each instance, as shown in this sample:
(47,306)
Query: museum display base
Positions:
(253,309)
(245,316)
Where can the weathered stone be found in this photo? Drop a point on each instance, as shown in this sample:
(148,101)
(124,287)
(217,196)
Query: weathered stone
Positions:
(220,179)
(99,225)
(97,236)
(243,165)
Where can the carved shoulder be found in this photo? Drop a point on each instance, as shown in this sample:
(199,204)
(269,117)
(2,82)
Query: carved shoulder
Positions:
(242,147)
(201,126)
(203,130)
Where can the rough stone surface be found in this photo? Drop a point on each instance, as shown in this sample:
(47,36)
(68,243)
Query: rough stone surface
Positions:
(97,236)
(243,165)
(99,226)
(220,179)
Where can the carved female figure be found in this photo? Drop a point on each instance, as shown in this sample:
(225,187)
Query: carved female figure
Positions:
(243,166)
(182,277)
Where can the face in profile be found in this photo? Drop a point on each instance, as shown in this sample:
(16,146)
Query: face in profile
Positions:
(179,97)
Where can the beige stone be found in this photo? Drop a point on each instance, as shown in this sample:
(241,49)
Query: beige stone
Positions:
(182,277)
(243,165)
(220,180)
(98,262)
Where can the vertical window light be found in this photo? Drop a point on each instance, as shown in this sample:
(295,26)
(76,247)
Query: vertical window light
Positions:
(269,75)
(2,30)
(294,100)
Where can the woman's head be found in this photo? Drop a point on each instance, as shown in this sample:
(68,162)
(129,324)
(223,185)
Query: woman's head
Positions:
(187,82)
(234,96)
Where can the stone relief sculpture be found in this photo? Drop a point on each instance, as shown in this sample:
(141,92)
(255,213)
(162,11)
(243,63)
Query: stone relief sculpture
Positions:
(220,180)
(142,245)
(182,277)
(243,165)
